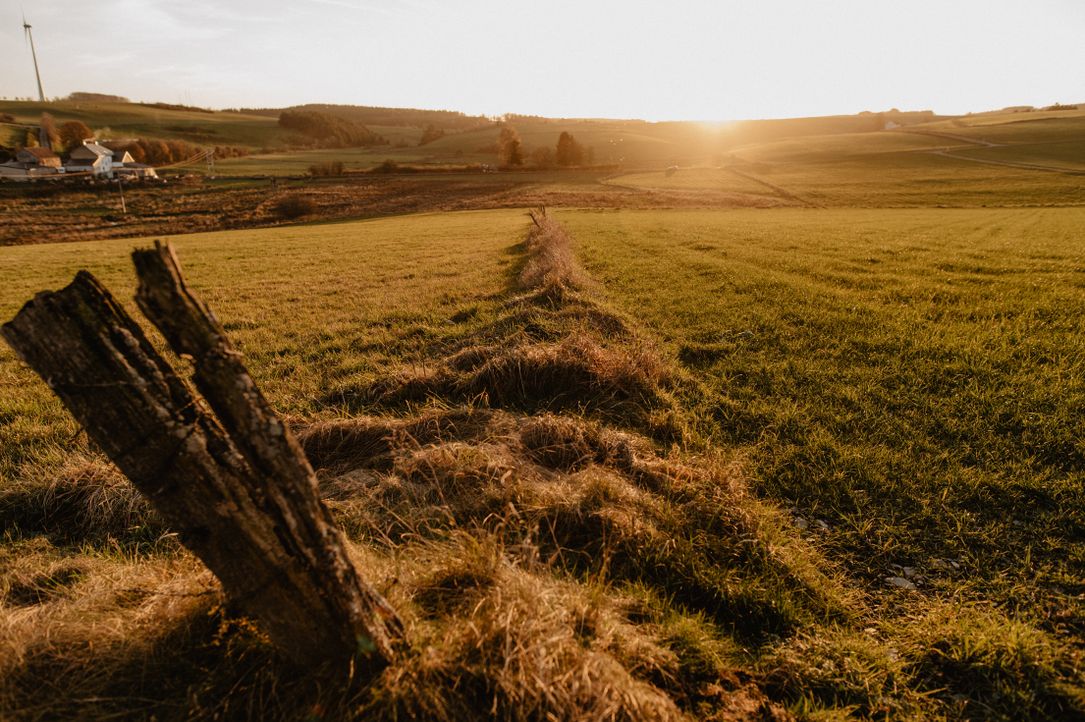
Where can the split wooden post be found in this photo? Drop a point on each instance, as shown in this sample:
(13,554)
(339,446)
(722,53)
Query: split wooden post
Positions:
(237,488)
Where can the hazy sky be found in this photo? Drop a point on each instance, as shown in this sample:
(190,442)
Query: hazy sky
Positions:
(696,59)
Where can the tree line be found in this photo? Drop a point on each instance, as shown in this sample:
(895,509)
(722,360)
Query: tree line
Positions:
(567,153)
(67,136)
(329,131)
(447,120)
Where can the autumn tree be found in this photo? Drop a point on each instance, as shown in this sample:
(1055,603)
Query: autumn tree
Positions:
(139,155)
(509,148)
(569,151)
(49,136)
(156,152)
(73,133)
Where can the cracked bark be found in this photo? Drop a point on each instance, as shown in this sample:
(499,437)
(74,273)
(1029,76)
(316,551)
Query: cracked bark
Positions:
(234,484)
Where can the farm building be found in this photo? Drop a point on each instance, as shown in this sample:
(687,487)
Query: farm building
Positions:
(31,163)
(91,158)
(94,158)
(124,166)
(38,157)
(133,171)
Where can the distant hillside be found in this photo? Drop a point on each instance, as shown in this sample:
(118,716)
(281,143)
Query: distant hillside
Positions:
(365,137)
(751,131)
(445,119)
(116,120)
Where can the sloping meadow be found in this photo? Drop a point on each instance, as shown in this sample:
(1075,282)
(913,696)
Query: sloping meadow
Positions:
(528,478)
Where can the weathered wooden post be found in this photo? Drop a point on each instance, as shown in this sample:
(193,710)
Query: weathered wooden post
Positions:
(237,488)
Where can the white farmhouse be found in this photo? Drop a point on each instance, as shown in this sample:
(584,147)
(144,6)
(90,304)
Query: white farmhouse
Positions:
(91,158)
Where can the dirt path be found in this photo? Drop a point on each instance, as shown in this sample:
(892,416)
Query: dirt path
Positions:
(951,136)
(782,192)
(947,153)
(1009,164)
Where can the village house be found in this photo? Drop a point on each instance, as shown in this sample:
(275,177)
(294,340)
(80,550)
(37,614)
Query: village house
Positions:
(40,157)
(91,158)
(30,163)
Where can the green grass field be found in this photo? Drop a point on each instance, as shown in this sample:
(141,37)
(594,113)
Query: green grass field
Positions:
(888,404)
(357,275)
(915,378)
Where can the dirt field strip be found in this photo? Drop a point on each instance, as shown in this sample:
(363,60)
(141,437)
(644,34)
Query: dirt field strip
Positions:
(782,192)
(1008,164)
(950,136)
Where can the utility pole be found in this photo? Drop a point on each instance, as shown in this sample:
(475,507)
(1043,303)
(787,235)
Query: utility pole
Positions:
(120,187)
(30,36)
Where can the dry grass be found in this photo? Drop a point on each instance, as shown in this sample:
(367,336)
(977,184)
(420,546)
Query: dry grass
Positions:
(542,564)
(553,347)
(551,268)
(86,500)
(548,567)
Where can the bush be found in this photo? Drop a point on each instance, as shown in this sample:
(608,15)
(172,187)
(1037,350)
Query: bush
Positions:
(230,151)
(291,207)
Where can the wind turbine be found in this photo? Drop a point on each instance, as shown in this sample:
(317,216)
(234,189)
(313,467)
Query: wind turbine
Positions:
(29,36)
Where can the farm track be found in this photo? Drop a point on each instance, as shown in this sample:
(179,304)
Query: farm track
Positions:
(950,136)
(1008,164)
(986,161)
(778,190)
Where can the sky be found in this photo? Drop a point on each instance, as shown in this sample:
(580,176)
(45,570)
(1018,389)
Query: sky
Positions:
(663,60)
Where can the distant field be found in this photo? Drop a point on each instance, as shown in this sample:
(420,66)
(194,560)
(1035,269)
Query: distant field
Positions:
(1068,154)
(693,179)
(841,146)
(922,165)
(833,161)
(1016,127)
(917,178)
